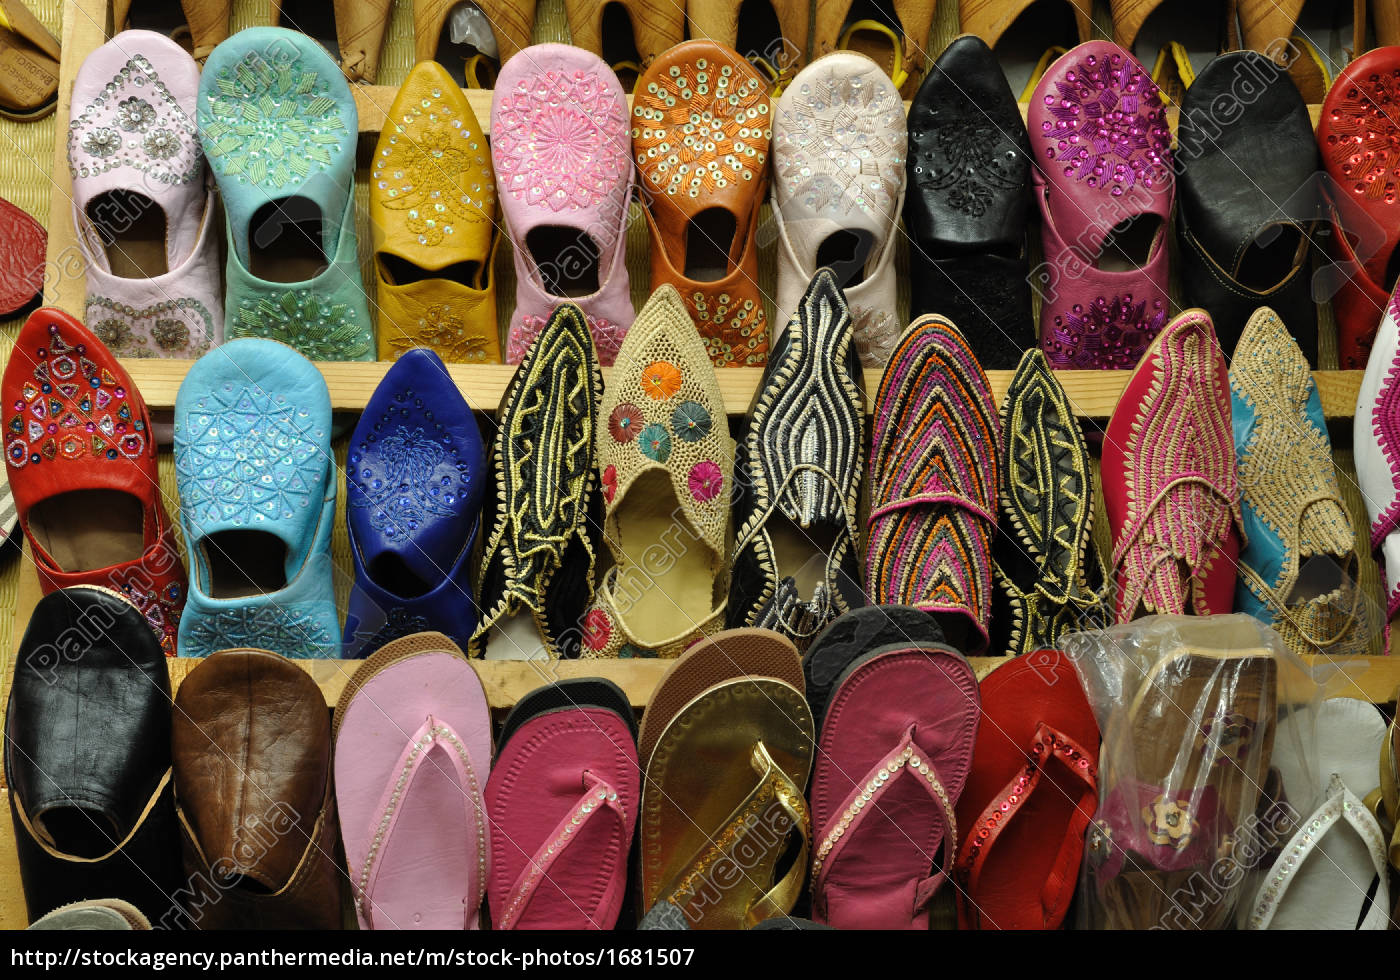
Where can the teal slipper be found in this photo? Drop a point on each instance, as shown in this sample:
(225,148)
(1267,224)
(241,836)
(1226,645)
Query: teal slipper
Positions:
(279,126)
(257,485)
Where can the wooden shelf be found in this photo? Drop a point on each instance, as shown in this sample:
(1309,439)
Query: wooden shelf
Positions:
(1092,393)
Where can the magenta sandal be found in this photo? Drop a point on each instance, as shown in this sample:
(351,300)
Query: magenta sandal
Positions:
(412,752)
(894,753)
(1104,183)
(562,803)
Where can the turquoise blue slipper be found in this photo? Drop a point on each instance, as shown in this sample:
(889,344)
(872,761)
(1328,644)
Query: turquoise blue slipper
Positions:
(257,486)
(279,126)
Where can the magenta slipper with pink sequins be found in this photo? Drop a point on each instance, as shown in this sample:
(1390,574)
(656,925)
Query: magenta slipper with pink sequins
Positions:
(1104,183)
(562,153)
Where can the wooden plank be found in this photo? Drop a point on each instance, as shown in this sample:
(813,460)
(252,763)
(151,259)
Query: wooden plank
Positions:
(12,910)
(1092,393)
(65,278)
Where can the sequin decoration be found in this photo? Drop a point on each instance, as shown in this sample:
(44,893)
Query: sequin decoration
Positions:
(1108,125)
(247,459)
(181,327)
(135,123)
(426,171)
(734,329)
(700,127)
(1363,140)
(560,140)
(1169,822)
(72,409)
(607,337)
(1110,332)
(409,478)
(833,152)
(270,121)
(321,331)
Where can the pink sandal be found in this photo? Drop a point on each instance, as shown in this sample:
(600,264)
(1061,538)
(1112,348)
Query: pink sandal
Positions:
(562,802)
(412,751)
(895,750)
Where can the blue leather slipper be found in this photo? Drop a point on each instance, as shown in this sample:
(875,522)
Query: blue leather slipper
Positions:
(257,485)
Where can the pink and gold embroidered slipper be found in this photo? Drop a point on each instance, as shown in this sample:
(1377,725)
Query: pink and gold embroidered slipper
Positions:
(667,461)
(412,752)
(1169,478)
(894,753)
(1030,796)
(933,478)
(562,801)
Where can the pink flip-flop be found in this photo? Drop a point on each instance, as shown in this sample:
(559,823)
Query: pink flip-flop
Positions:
(895,750)
(412,754)
(562,803)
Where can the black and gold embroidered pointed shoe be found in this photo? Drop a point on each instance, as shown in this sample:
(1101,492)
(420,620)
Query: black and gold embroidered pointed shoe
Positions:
(798,474)
(536,575)
(1050,577)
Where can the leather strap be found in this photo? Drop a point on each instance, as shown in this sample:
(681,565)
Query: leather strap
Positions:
(599,796)
(905,760)
(1050,744)
(774,785)
(431,733)
(1341,804)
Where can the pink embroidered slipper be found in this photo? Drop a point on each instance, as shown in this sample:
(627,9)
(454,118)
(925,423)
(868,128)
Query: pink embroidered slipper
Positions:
(894,752)
(1169,479)
(564,176)
(1103,180)
(141,204)
(1376,438)
(933,480)
(412,752)
(562,801)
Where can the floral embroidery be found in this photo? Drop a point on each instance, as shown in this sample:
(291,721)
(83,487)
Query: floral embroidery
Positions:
(229,475)
(1169,822)
(1109,333)
(876,333)
(833,152)
(700,126)
(419,482)
(1109,127)
(287,630)
(321,331)
(135,115)
(691,420)
(441,329)
(597,629)
(705,480)
(655,443)
(1226,737)
(559,139)
(432,139)
(661,379)
(182,327)
(970,160)
(169,148)
(625,422)
(607,337)
(609,483)
(270,121)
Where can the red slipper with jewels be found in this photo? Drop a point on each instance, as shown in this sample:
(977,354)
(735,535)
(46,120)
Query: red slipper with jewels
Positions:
(1030,796)
(82,466)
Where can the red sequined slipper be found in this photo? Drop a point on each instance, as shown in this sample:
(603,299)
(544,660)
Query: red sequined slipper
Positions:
(82,466)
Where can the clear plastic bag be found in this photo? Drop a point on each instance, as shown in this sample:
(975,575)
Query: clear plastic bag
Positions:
(1189,808)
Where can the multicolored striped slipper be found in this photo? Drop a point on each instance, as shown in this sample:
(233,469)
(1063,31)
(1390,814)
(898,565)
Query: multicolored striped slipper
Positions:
(933,476)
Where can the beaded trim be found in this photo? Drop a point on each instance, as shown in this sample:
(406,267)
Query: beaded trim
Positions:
(901,760)
(934,473)
(593,801)
(434,735)
(1341,804)
(1047,499)
(804,455)
(1179,472)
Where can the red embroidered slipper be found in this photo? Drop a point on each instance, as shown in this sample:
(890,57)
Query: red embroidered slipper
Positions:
(1169,480)
(82,466)
(1030,796)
